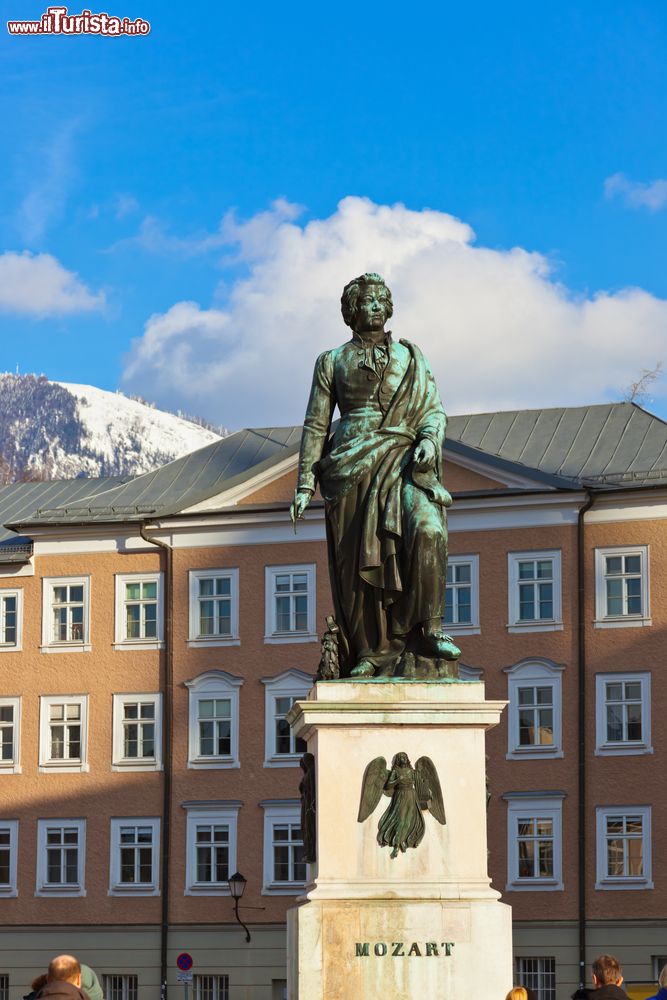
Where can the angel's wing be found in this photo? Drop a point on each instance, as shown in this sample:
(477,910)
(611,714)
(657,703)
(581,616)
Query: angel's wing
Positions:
(372,786)
(428,789)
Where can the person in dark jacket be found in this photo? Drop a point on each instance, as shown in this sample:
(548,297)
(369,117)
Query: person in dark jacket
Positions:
(607,979)
(662,983)
(63,980)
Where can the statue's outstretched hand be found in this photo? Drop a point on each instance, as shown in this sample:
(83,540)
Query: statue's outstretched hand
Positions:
(424,455)
(301,500)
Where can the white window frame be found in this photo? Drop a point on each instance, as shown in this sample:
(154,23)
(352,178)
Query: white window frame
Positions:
(49,644)
(195,640)
(46,764)
(527,673)
(542,991)
(605,881)
(279,811)
(291,684)
(545,807)
(213,684)
(515,624)
(219,982)
(118,761)
(223,814)
(118,888)
(43,889)
(271,634)
(602,619)
(125,987)
(121,641)
(473,626)
(17,592)
(11,888)
(13,766)
(618,748)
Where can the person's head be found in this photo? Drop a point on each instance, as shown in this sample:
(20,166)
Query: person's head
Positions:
(366,303)
(518,993)
(607,971)
(65,969)
(662,978)
(38,982)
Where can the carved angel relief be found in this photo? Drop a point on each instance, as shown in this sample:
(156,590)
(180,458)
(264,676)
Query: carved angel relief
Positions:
(412,790)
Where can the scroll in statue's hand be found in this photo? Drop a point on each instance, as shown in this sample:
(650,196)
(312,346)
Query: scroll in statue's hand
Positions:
(423,458)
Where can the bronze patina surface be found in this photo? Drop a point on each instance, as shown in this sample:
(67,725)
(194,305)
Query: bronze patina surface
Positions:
(380,476)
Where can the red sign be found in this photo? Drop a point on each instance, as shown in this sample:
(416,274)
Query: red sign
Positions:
(184,962)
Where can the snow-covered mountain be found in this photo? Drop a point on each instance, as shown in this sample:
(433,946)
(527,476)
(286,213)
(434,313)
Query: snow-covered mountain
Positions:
(56,430)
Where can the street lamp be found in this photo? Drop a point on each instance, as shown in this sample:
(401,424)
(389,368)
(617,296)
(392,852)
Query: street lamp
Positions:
(237,884)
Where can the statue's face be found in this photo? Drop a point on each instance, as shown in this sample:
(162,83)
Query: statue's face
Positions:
(371,308)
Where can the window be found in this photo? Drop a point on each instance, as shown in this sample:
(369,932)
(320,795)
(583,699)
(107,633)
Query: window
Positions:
(461,615)
(284,870)
(658,963)
(211,850)
(11,619)
(214,720)
(210,987)
(622,593)
(63,733)
(282,747)
(290,604)
(538,974)
(137,732)
(214,607)
(60,857)
(135,849)
(120,987)
(9,829)
(534,692)
(10,737)
(4,986)
(624,847)
(139,612)
(623,713)
(534,839)
(534,591)
(65,615)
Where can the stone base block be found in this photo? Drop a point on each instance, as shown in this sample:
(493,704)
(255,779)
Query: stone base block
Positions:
(399,950)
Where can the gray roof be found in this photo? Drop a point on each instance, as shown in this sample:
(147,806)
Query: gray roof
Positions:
(603,446)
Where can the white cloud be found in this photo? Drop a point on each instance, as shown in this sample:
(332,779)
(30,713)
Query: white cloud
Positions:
(52,172)
(38,285)
(637,194)
(497,327)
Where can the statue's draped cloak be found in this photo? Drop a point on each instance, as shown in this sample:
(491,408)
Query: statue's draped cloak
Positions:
(386,529)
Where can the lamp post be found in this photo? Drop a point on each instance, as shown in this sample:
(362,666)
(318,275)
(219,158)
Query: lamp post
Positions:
(237,884)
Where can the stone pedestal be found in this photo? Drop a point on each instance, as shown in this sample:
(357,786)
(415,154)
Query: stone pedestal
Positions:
(423,925)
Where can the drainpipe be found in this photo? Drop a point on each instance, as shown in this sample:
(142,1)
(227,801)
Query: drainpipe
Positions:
(581,625)
(168,744)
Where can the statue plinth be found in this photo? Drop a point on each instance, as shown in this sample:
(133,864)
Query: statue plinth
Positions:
(427,920)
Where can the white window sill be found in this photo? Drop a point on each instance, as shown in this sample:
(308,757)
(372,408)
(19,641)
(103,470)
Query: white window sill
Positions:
(537,885)
(66,647)
(215,764)
(136,765)
(284,889)
(285,637)
(215,889)
(8,891)
(212,640)
(622,750)
(534,753)
(611,884)
(622,622)
(9,648)
(461,629)
(134,644)
(60,891)
(535,626)
(8,767)
(284,760)
(134,890)
(62,767)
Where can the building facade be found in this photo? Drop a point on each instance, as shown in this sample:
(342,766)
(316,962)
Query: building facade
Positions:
(155,632)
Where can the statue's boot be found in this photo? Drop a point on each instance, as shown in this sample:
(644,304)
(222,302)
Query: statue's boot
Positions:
(437,644)
(364,668)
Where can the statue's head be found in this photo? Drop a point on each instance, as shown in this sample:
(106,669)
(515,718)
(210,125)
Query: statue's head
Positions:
(401,760)
(366,302)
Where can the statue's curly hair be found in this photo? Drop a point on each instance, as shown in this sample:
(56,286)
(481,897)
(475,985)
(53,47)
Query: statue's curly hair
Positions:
(352,291)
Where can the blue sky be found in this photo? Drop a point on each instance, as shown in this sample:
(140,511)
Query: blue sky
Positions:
(122,156)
